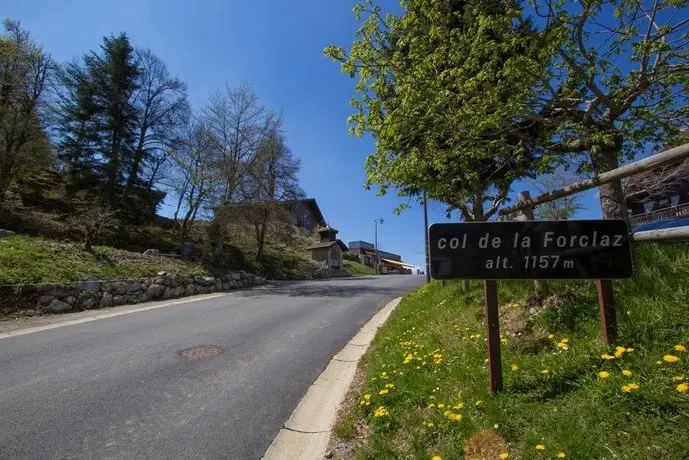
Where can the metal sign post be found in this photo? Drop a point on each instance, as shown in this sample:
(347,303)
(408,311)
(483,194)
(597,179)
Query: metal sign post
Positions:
(540,250)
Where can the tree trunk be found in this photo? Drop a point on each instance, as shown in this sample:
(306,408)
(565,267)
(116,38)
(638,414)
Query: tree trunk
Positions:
(261,240)
(612,198)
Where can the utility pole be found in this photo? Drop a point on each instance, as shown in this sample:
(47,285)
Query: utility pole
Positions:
(375,247)
(425,235)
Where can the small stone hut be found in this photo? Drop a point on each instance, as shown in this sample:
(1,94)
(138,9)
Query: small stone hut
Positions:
(329,248)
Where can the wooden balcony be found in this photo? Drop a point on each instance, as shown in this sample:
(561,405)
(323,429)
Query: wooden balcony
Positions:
(672,212)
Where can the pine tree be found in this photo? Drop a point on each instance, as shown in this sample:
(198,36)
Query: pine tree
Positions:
(99,117)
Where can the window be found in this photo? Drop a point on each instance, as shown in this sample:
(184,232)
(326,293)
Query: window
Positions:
(674,200)
(648,206)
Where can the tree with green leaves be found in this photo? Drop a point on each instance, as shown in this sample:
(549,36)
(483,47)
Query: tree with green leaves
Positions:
(618,84)
(99,118)
(25,70)
(437,89)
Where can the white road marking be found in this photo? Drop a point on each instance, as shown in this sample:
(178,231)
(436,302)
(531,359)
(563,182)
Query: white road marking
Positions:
(88,319)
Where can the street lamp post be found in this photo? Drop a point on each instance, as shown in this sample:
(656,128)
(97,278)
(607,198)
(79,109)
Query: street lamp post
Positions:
(375,247)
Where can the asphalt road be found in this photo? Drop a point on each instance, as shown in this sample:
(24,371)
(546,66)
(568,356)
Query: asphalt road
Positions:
(119,388)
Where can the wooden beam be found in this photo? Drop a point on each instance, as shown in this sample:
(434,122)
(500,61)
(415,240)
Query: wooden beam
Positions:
(665,234)
(647,164)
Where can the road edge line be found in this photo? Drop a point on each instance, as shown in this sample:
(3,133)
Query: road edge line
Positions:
(306,433)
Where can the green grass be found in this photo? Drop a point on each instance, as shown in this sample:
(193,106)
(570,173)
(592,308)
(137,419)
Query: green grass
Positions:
(29,260)
(356,268)
(570,409)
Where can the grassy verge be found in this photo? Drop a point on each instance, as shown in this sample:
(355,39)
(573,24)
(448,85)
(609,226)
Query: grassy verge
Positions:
(356,268)
(28,260)
(424,391)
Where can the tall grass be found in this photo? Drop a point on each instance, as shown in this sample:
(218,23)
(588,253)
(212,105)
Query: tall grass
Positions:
(432,354)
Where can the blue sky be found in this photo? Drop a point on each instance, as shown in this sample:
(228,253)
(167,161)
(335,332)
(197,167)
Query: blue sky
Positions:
(277,46)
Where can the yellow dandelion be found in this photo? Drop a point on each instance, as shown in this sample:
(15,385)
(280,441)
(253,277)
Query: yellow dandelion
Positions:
(561,455)
(389,385)
(545,371)
(515,368)
(367,396)
(564,340)
(479,403)
(431,406)
(678,378)
(540,447)
(563,345)
(681,348)
(659,362)
(437,457)
(551,336)
(682,387)
(629,350)
(381,412)
(670,358)
(441,406)
(430,425)
(604,374)
(384,391)
(504,456)
(607,356)
(627,373)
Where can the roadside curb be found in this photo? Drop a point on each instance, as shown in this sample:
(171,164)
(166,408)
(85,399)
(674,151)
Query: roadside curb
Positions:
(306,433)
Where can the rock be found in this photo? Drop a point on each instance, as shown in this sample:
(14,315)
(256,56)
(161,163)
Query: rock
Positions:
(90,284)
(251,278)
(190,289)
(242,283)
(60,291)
(160,281)
(5,233)
(234,284)
(106,300)
(152,252)
(233,276)
(308,276)
(162,273)
(144,287)
(71,300)
(260,281)
(225,286)
(132,287)
(218,285)
(119,289)
(329,454)
(178,291)
(57,306)
(87,304)
(118,300)
(243,274)
(167,294)
(208,280)
(45,300)
(142,298)
(155,291)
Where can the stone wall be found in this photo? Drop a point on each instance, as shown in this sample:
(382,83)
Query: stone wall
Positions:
(92,293)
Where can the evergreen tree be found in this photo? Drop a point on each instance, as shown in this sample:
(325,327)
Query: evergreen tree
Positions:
(99,118)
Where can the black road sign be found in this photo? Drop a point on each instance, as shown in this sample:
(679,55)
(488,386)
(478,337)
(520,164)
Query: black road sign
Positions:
(584,249)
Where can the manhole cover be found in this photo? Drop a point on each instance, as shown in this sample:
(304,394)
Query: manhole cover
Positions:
(205,351)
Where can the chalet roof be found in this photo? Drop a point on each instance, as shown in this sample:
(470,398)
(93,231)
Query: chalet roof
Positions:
(328,244)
